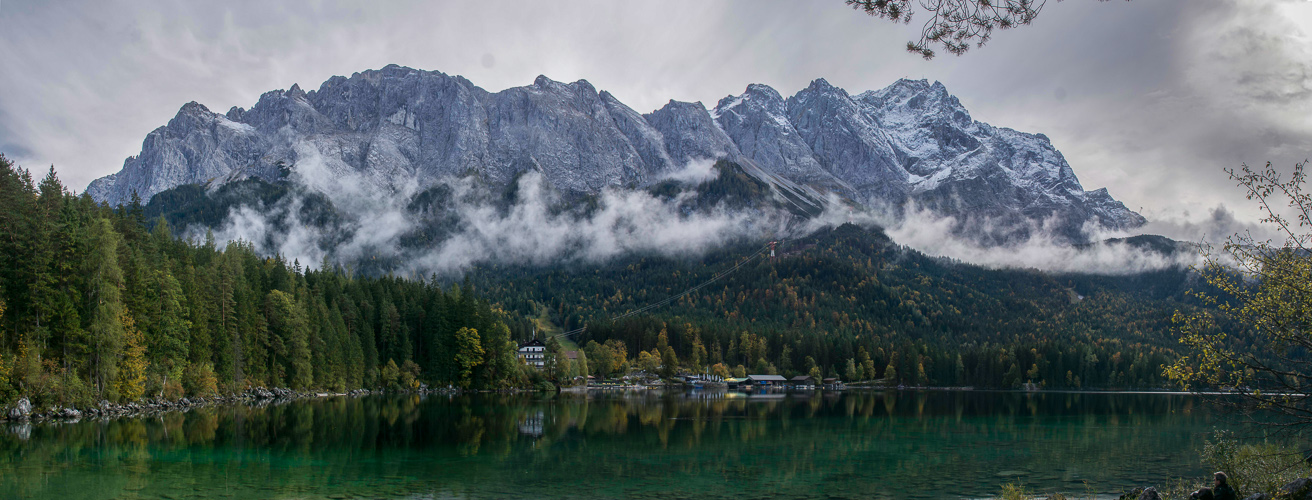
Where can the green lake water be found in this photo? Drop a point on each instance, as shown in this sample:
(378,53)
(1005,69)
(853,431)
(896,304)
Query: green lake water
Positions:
(645,445)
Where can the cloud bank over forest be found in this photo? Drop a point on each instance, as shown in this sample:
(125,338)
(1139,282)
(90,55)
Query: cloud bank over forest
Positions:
(532,225)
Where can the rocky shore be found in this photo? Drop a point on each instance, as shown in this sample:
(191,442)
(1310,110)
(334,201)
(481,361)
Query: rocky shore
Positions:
(1298,489)
(23,411)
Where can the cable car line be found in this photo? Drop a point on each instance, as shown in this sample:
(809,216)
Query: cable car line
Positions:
(767,247)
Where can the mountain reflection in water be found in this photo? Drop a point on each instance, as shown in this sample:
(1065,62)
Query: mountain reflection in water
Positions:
(696,445)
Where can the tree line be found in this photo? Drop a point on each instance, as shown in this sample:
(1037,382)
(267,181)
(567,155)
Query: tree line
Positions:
(100,303)
(849,303)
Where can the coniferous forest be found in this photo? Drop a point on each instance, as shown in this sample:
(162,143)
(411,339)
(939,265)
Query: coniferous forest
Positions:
(851,304)
(99,303)
(106,303)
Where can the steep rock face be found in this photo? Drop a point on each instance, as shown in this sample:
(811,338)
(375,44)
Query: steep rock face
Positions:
(690,133)
(641,135)
(402,125)
(847,142)
(563,130)
(960,166)
(402,130)
(758,123)
(196,146)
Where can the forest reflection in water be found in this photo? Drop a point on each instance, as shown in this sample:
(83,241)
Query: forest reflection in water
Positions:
(691,445)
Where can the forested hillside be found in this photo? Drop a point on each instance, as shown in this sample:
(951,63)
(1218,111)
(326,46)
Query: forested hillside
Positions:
(107,303)
(850,303)
(98,303)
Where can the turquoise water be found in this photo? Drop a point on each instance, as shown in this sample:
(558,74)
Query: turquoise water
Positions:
(697,445)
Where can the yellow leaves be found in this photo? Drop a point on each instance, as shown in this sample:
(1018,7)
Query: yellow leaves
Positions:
(131,382)
(5,370)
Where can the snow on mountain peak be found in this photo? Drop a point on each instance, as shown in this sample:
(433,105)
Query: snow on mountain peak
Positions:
(909,142)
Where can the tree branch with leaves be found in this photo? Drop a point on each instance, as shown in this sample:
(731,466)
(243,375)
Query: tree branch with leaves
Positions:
(954,24)
(1256,339)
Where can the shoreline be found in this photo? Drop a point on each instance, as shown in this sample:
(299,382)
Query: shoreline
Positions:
(21,410)
(254,397)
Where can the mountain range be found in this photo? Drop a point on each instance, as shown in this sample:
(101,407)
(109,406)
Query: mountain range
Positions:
(404,130)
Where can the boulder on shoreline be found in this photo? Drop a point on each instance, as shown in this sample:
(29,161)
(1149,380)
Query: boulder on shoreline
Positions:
(1298,489)
(1149,493)
(21,411)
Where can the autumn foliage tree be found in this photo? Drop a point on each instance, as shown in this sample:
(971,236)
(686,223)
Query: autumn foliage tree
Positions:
(469,354)
(1257,340)
(131,382)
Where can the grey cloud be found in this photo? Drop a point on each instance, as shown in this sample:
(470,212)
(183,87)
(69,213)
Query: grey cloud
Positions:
(933,235)
(532,230)
(1215,228)
(1159,95)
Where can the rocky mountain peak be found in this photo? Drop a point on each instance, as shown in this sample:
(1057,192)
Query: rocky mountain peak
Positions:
(909,142)
(193,108)
(821,85)
(234,113)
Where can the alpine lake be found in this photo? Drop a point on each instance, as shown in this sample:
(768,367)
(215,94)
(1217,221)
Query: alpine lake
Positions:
(650,444)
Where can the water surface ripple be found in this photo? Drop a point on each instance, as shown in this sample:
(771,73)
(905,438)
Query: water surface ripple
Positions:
(645,445)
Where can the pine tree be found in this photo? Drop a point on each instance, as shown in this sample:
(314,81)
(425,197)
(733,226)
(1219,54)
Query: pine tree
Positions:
(171,335)
(500,362)
(697,355)
(200,345)
(17,197)
(289,338)
(68,337)
(45,298)
(104,298)
(669,362)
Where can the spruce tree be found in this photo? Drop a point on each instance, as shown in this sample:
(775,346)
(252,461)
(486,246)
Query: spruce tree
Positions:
(104,300)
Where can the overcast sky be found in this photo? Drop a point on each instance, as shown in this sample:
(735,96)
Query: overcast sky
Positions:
(1149,98)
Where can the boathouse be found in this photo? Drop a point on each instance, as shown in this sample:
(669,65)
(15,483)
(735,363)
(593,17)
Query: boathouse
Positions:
(767,380)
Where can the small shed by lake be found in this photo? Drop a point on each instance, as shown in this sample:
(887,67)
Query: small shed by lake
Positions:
(767,380)
(802,381)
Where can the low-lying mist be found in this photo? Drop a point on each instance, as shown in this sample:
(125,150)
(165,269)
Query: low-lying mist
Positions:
(464,222)
(446,228)
(1109,253)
